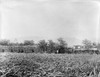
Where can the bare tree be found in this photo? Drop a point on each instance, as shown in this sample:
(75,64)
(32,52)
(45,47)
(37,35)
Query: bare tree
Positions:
(87,44)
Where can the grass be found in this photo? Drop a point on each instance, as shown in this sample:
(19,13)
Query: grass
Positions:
(46,65)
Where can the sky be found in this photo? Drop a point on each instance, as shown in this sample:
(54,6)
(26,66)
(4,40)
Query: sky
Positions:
(73,20)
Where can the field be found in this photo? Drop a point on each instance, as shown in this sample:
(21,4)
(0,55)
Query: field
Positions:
(49,65)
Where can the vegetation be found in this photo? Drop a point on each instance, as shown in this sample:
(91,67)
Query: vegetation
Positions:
(28,42)
(49,65)
(21,60)
(61,46)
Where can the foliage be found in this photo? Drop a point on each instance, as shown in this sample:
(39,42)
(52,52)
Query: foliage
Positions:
(28,42)
(62,42)
(62,45)
(51,46)
(4,42)
(46,65)
(42,46)
(98,46)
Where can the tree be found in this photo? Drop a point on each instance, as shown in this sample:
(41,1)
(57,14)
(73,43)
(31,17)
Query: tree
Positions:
(28,42)
(42,45)
(51,46)
(62,42)
(87,44)
(98,46)
(62,45)
(4,42)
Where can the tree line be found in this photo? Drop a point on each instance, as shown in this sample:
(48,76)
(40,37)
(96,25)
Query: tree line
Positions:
(61,46)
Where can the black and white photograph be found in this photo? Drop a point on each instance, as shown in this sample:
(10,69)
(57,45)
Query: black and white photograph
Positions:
(49,38)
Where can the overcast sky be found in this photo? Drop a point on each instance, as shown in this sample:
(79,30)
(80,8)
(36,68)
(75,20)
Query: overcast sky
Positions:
(74,20)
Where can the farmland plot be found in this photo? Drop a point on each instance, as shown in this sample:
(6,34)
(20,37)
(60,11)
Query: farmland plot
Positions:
(49,65)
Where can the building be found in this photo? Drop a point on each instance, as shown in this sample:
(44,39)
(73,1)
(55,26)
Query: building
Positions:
(78,47)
